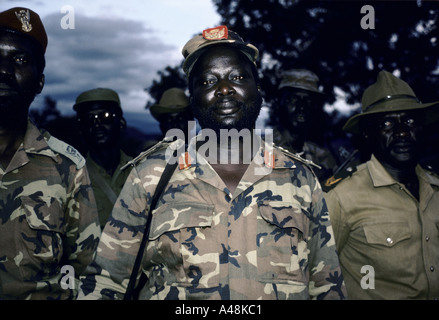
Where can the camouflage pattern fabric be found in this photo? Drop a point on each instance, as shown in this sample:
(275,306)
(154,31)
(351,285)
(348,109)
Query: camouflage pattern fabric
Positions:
(271,239)
(48,219)
(114,183)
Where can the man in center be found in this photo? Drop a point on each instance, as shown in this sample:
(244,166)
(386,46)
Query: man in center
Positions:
(256,229)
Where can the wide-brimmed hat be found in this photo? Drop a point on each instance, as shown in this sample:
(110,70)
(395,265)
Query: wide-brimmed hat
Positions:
(215,36)
(300,79)
(172,101)
(390,94)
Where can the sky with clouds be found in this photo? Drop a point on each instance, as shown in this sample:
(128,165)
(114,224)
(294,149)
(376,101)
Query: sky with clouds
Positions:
(119,44)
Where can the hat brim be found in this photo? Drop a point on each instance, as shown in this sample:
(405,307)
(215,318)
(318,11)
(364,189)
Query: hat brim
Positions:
(300,87)
(159,109)
(432,113)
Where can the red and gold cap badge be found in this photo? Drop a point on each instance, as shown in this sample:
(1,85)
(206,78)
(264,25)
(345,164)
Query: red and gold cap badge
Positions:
(217,33)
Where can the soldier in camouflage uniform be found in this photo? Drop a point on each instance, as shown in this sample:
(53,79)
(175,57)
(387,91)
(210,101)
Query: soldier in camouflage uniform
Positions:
(48,216)
(257,230)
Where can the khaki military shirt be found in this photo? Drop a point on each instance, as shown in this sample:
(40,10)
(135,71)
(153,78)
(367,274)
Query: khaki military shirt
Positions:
(48,219)
(271,239)
(387,240)
(105,186)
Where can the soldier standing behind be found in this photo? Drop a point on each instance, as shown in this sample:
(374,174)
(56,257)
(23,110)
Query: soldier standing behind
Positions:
(102,124)
(173,111)
(48,214)
(257,228)
(299,113)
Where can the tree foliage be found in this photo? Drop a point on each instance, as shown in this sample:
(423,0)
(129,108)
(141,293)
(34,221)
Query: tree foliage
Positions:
(327,38)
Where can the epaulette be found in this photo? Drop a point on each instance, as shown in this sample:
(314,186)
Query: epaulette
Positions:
(67,150)
(297,157)
(339,176)
(159,145)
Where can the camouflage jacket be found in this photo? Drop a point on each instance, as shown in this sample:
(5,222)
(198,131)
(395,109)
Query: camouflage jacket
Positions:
(106,187)
(271,239)
(48,219)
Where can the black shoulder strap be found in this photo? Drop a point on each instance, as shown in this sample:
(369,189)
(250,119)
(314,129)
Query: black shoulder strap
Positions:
(167,173)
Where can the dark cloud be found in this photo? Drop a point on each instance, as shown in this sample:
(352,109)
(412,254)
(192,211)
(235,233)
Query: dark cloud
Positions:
(120,54)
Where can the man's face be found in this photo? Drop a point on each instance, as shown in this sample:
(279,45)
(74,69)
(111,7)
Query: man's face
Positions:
(296,106)
(225,93)
(175,120)
(395,137)
(101,124)
(20,77)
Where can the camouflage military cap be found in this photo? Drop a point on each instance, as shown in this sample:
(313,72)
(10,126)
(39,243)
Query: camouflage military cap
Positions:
(26,22)
(221,35)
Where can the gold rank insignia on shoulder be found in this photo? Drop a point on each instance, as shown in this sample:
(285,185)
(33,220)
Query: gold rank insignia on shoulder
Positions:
(331,181)
(216,33)
(24,17)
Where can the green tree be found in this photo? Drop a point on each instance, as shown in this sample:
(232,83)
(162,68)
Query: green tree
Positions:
(169,78)
(327,38)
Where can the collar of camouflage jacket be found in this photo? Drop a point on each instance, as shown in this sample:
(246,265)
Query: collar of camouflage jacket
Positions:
(267,155)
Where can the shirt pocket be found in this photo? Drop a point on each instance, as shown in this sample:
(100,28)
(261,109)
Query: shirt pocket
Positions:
(282,253)
(388,246)
(39,243)
(182,241)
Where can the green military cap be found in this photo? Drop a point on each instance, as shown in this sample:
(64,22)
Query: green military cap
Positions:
(97,94)
(215,36)
(390,94)
(173,100)
(26,22)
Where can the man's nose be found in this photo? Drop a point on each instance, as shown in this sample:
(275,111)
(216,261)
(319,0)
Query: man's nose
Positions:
(224,88)
(5,68)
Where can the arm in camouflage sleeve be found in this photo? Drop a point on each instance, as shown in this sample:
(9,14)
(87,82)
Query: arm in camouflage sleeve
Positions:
(83,230)
(326,280)
(338,219)
(108,276)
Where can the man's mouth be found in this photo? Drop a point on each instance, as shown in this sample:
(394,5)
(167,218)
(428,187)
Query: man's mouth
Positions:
(403,147)
(7,90)
(227,107)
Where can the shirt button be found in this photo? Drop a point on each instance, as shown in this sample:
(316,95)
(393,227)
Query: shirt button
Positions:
(427,238)
(431,268)
(389,240)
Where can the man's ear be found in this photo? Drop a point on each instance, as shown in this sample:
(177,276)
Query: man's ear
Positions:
(41,83)
(123,124)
